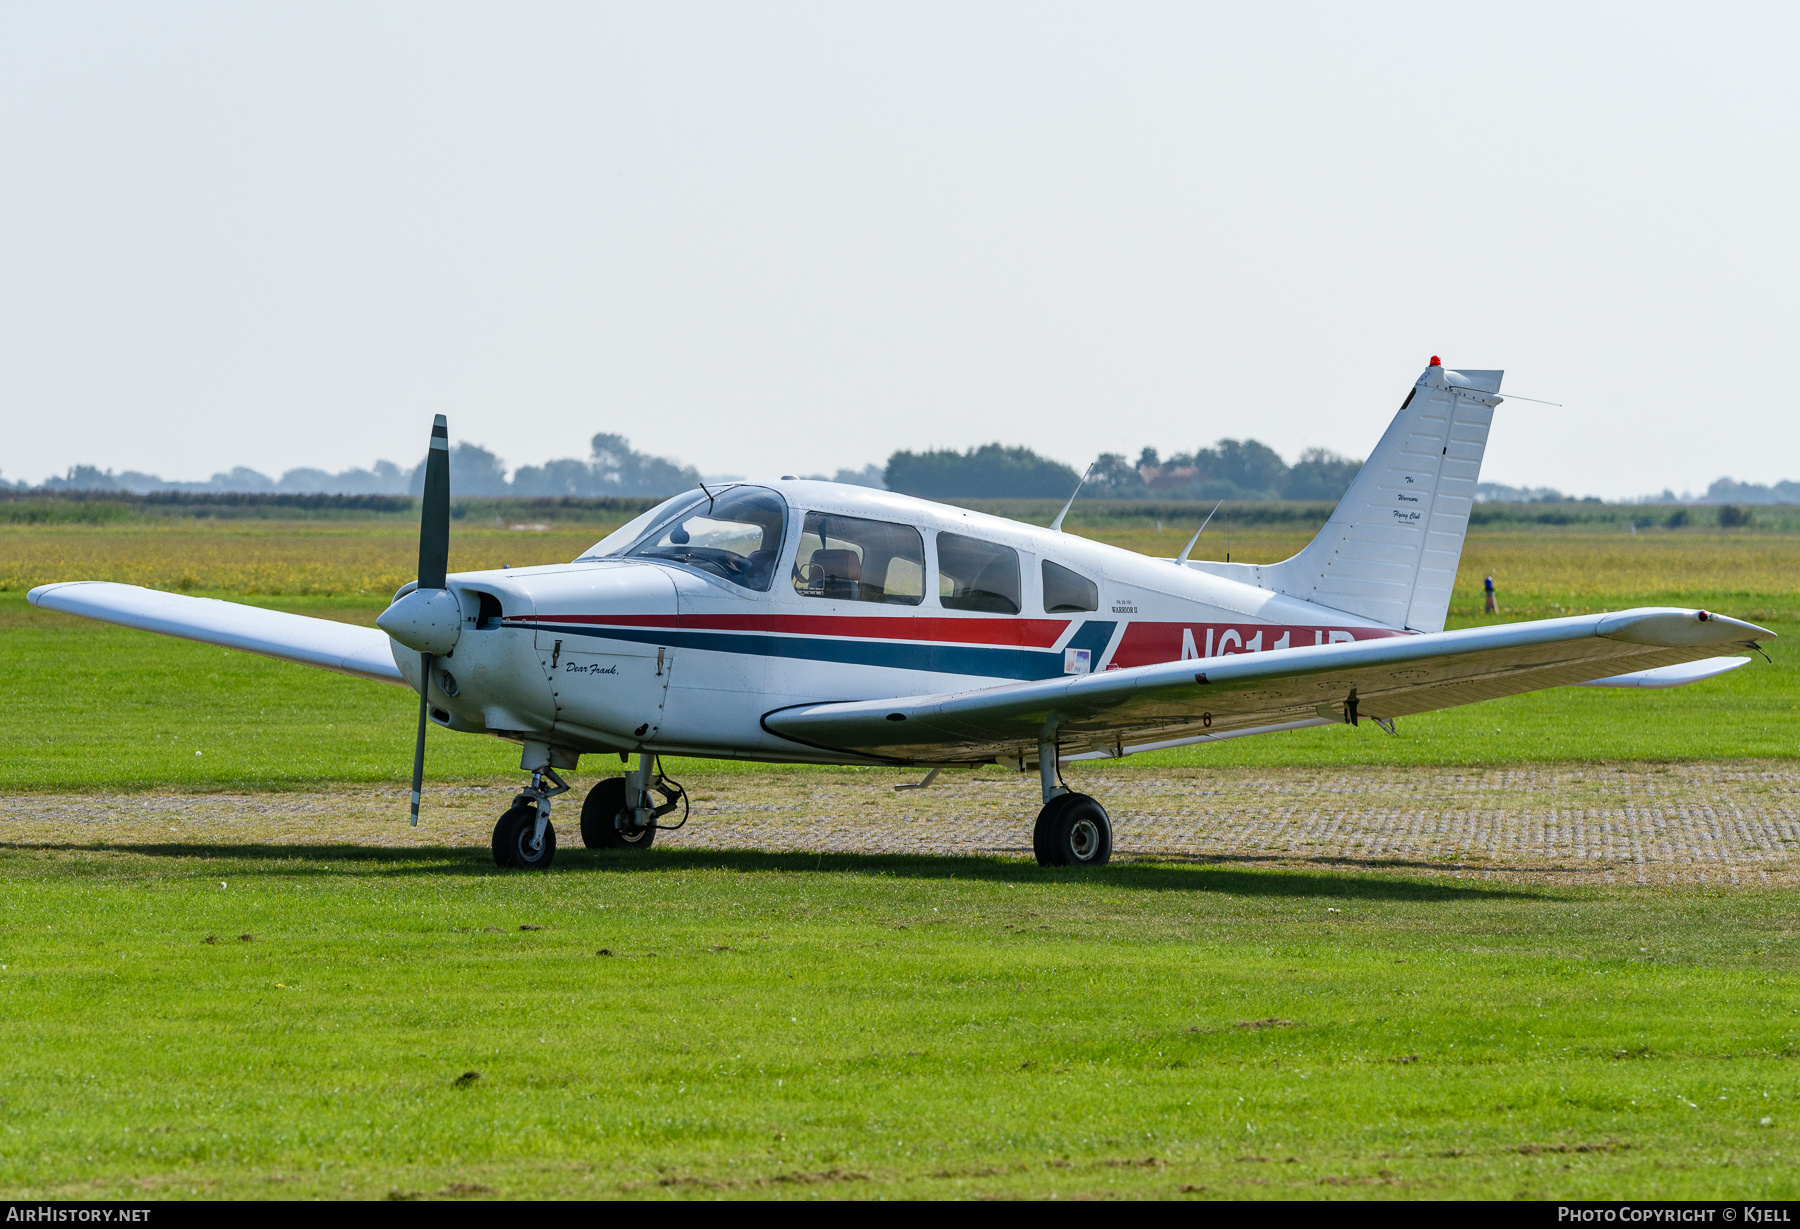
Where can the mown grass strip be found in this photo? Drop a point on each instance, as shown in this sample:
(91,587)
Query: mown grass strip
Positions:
(245,1021)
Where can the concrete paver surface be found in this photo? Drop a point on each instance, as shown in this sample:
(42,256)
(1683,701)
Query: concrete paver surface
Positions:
(1731,822)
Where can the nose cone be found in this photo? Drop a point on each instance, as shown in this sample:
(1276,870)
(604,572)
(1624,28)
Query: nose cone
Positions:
(425,620)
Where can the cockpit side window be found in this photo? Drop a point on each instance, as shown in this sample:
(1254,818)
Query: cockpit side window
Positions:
(855,560)
(977,575)
(1067,592)
(735,535)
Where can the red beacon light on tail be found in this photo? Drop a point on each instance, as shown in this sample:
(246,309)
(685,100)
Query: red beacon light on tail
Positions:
(1436,361)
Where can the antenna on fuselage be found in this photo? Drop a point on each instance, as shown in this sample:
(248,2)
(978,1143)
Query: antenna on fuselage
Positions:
(1056,525)
(1181,559)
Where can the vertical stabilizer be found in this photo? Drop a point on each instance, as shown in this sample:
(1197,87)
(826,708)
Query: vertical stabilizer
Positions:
(1389,552)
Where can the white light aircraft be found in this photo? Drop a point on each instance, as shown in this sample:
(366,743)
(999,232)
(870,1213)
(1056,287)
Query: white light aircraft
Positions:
(812,622)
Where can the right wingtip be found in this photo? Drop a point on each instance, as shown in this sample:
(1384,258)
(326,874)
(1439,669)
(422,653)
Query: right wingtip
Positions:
(1736,625)
(1671,626)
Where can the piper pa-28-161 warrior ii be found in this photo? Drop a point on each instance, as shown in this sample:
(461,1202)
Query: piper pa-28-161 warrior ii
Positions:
(812,622)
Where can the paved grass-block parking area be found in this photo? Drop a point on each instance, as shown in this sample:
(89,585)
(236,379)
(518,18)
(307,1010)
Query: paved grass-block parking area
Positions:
(1734,822)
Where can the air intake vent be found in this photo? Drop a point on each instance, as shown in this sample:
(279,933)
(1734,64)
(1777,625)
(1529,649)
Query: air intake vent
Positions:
(489,614)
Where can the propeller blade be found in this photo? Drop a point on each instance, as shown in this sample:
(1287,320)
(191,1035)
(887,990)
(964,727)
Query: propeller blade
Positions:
(434,518)
(419,747)
(434,566)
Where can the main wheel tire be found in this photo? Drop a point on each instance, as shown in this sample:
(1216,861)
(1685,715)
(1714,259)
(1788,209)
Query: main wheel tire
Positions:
(1072,830)
(600,812)
(512,840)
(503,839)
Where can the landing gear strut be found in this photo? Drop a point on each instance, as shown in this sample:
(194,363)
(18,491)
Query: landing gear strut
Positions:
(1072,829)
(619,812)
(524,837)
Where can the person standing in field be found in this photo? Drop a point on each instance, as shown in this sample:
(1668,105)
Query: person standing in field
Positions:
(1491,607)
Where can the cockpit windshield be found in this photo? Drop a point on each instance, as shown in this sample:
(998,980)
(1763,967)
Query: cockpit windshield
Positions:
(620,540)
(735,535)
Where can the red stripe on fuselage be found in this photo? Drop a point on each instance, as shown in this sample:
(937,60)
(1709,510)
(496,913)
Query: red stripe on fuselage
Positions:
(1146,644)
(1021,633)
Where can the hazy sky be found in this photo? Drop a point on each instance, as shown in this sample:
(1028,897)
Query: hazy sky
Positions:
(774,238)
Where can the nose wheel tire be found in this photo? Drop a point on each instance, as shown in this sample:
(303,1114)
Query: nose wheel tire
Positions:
(512,840)
(606,823)
(1072,830)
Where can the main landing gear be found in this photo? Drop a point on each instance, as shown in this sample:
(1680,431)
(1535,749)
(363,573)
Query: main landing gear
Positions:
(619,812)
(1072,829)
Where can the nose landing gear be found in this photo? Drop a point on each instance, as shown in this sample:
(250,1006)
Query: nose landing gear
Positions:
(618,812)
(524,837)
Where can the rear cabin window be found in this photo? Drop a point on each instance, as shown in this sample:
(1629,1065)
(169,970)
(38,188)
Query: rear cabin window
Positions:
(1067,592)
(851,559)
(977,575)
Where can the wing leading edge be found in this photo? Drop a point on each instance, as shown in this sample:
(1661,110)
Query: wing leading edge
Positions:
(362,651)
(1221,696)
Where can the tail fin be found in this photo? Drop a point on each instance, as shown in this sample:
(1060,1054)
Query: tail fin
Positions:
(1389,552)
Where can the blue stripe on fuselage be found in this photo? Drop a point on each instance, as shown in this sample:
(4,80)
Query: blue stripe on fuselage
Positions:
(985,661)
(1093,635)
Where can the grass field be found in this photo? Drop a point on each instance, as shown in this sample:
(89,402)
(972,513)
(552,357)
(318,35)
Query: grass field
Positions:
(838,1026)
(785,1025)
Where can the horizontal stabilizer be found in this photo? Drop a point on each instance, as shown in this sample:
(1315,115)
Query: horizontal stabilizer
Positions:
(1672,676)
(362,651)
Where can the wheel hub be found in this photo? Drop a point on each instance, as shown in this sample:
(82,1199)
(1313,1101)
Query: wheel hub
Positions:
(1084,838)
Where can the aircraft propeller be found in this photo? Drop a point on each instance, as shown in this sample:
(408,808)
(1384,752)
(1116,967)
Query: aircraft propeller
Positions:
(428,619)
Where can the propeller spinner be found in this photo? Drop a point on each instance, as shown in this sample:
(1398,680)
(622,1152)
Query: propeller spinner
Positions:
(428,619)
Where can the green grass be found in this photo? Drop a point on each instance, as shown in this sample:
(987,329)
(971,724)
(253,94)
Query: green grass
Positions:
(838,1026)
(92,705)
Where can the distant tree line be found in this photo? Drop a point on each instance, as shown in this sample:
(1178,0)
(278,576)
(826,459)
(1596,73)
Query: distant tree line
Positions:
(1230,469)
(613,469)
(989,472)
(1727,492)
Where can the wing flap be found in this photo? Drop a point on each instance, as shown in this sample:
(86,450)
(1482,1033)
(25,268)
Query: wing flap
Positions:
(1385,678)
(361,651)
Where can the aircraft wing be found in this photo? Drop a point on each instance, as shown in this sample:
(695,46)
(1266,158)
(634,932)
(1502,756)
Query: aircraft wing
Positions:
(1395,676)
(362,651)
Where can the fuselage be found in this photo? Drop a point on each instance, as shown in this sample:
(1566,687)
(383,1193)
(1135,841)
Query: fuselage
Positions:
(851,594)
